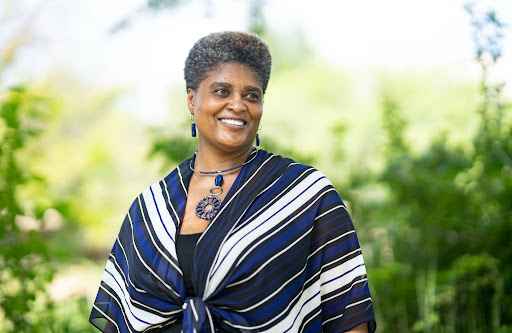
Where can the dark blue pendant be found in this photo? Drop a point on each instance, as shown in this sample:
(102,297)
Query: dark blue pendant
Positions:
(219,180)
(194,131)
(208,207)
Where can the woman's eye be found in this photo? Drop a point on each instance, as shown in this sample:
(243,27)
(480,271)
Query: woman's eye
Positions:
(221,92)
(253,96)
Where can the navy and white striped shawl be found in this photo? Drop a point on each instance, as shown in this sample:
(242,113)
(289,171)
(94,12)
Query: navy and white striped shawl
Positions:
(282,255)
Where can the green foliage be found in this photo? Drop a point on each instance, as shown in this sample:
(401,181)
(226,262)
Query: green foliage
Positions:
(24,257)
(71,317)
(172,148)
(28,246)
(477,289)
(447,220)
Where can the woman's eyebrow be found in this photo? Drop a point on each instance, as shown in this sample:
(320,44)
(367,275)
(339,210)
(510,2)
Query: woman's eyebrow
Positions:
(216,84)
(253,88)
(220,84)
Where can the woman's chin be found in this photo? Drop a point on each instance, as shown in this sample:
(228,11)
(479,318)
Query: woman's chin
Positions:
(233,145)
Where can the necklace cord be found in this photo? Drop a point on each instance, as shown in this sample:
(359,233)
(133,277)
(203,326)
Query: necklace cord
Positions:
(224,171)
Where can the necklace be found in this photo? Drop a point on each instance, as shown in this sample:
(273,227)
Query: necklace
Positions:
(208,207)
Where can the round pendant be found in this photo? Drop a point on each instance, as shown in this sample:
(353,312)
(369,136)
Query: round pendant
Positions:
(208,207)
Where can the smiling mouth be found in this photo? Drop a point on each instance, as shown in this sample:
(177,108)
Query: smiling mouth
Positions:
(237,123)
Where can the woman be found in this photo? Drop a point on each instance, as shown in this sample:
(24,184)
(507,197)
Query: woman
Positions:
(235,239)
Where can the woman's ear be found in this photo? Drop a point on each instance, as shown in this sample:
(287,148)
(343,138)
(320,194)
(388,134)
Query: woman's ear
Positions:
(191,100)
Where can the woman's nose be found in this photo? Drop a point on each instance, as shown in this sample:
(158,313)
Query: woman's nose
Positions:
(237,104)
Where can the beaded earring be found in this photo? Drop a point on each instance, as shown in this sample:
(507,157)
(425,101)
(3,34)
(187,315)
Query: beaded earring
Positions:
(194,130)
(193,126)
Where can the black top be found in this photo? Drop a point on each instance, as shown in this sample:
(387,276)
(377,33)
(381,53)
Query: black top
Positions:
(185,245)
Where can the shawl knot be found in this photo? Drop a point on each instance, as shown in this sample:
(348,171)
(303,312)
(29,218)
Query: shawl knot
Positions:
(195,316)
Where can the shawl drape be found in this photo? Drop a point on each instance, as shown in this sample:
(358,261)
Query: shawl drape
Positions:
(282,255)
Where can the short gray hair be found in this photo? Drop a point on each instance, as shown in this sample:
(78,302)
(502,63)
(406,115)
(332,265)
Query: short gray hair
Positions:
(224,47)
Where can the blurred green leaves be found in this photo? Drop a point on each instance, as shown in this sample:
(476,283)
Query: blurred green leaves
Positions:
(447,219)
(25,267)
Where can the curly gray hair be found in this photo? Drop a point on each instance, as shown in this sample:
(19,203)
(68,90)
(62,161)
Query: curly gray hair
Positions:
(223,47)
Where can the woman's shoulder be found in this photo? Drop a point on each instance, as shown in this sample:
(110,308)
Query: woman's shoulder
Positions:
(309,185)
(296,166)
(305,174)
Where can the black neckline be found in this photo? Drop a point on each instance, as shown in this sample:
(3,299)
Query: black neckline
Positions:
(197,234)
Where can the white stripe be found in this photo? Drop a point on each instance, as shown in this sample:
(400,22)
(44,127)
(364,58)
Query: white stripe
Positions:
(107,317)
(297,215)
(339,276)
(293,277)
(258,212)
(207,289)
(310,319)
(343,268)
(128,266)
(358,302)
(299,273)
(236,194)
(128,316)
(269,186)
(164,225)
(181,181)
(157,227)
(266,263)
(115,281)
(310,306)
(341,315)
(341,258)
(330,210)
(237,225)
(164,211)
(315,287)
(210,320)
(331,241)
(263,215)
(286,322)
(314,276)
(270,218)
(118,268)
(170,204)
(346,290)
(194,309)
(278,178)
(144,263)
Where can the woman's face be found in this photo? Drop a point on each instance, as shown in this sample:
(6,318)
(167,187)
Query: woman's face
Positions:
(227,107)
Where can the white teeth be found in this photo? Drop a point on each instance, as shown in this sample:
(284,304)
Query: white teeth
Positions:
(235,122)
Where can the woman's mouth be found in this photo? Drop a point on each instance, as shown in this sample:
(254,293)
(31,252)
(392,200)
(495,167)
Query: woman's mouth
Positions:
(233,122)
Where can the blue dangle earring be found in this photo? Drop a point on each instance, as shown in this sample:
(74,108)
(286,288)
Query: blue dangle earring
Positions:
(257,140)
(193,127)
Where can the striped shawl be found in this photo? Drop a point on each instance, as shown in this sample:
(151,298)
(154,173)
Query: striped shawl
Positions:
(282,255)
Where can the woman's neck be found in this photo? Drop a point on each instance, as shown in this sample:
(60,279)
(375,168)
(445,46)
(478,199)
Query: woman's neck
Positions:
(210,159)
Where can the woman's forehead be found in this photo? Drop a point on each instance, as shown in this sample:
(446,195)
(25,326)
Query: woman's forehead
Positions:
(232,72)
